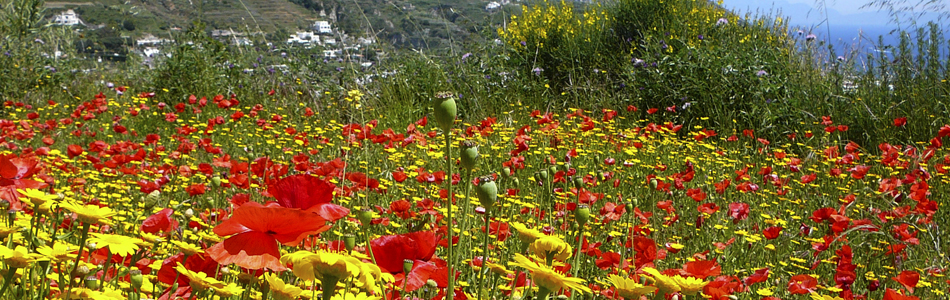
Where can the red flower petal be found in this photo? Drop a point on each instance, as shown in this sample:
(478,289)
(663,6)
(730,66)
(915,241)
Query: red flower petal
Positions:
(252,250)
(288,226)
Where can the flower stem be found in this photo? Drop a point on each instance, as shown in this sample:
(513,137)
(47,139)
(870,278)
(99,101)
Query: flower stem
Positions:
(82,244)
(7,278)
(448,163)
(482,273)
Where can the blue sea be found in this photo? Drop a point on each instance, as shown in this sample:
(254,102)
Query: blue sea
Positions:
(857,41)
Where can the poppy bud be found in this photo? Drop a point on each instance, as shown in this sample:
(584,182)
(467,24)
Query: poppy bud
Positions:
(81,271)
(578,182)
(136,278)
(365,216)
(515,182)
(431,283)
(216,180)
(445,110)
(407,266)
(874,285)
(469,154)
(543,175)
(189,213)
(91,282)
(486,191)
(582,214)
(349,241)
(653,183)
(505,172)
(630,205)
(566,167)
(552,170)
(601,176)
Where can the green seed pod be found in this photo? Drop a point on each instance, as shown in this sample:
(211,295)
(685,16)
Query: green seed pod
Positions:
(543,174)
(653,183)
(515,182)
(486,191)
(407,265)
(469,154)
(365,216)
(349,241)
(578,182)
(136,278)
(445,110)
(552,170)
(216,180)
(91,282)
(505,172)
(582,214)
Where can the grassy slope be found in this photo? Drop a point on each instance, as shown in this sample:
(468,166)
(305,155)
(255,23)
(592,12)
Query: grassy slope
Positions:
(410,24)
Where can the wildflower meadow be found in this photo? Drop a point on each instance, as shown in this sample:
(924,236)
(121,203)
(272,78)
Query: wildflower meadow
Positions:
(685,153)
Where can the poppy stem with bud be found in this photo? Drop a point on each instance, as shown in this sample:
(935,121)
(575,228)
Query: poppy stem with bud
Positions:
(82,243)
(445,111)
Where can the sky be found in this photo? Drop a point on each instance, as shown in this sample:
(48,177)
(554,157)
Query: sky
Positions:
(808,12)
(848,23)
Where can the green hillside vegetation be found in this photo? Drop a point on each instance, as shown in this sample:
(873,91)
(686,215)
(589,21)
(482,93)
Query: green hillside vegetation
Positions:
(405,24)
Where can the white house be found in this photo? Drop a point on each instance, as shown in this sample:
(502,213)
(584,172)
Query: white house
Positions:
(492,6)
(322,27)
(304,38)
(151,51)
(67,18)
(150,40)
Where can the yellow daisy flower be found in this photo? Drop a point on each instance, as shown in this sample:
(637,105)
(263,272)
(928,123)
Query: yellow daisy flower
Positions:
(186,248)
(199,280)
(37,197)
(281,290)
(665,284)
(630,289)
(322,265)
(59,252)
(817,296)
(90,214)
(19,257)
(118,244)
(551,247)
(526,235)
(689,285)
(548,279)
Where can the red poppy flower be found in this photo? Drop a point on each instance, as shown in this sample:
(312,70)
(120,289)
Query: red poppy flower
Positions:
(738,211)
(255,232)
(307,193)
(391,251)
(908,279)
(16,173)
(802,284)
(160,221)
(646,251)
(772,232)
(722,287)
(402,209)
(702,269)
(760,275)
(890,294)
(708,208)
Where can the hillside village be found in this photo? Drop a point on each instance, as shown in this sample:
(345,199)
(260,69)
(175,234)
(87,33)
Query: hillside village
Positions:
(324,35)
